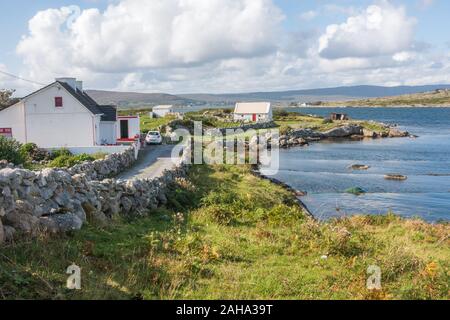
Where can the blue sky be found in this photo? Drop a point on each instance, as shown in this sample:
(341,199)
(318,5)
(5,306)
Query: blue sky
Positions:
(225,45)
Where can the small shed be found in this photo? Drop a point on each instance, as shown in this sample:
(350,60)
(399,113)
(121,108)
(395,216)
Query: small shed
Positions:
(162,111)
(128,129)
(339,116)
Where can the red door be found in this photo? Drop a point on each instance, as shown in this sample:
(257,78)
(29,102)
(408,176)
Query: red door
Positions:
(254,117)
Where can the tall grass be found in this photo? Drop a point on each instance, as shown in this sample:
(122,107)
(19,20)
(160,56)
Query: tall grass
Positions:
(227,234)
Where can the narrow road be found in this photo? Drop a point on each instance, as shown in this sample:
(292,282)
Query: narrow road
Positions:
(152,162)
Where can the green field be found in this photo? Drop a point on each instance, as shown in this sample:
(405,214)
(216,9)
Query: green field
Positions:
(227,234)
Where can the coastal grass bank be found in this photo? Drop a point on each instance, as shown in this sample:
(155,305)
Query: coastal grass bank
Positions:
(225,233)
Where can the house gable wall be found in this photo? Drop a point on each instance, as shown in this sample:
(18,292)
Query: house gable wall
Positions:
(13,117)
(49,126)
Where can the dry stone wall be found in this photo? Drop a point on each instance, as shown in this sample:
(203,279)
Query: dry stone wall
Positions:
(108,167)
(58,200)
(244,127)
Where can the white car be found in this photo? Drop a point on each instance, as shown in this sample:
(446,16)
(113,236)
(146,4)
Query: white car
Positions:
(153,137)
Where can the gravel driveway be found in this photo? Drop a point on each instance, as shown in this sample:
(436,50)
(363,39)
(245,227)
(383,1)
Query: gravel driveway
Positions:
(152,162)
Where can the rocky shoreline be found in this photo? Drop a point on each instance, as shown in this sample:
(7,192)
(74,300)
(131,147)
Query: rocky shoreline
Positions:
(303,137)
(295,193)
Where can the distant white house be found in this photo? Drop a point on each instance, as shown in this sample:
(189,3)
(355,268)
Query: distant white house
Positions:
(162,111)
(60,115)
(253,112)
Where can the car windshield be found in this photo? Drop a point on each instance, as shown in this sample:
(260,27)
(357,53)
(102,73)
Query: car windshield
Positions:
(153,133)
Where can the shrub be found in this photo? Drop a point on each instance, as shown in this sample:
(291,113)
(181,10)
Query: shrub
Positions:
(284,130)
(29,148)
(31,151)
(179,198)
(99,155)
(220,197)
(67,161)
(10,151)
(220,214)
(327,121)
(280,113)
(60,152)
(341,241)
(84,157)
(60,162)
(398,261)
(282,214)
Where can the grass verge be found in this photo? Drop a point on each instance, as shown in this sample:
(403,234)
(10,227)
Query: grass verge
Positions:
(228,234)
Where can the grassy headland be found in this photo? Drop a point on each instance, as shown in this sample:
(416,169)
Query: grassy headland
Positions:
(438,98)
(229,234)
(292,120)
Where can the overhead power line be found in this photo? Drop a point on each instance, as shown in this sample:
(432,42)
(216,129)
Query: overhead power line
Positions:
(20,78)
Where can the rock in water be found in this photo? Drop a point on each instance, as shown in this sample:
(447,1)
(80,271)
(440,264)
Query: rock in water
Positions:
(394,133)
(356,191)
(369,133)
(359,167)
(344,132)
(397,177)
(299,193)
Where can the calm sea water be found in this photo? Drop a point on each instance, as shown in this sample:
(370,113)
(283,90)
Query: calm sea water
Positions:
(322,168)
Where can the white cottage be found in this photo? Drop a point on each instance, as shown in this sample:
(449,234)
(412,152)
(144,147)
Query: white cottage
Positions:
(162,111)
(60,115)
(253,112)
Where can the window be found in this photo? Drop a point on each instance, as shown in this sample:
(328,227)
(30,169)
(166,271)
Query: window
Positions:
(58,102)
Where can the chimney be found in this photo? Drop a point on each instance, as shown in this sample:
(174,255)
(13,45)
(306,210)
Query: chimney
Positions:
(80,85)
(70,81)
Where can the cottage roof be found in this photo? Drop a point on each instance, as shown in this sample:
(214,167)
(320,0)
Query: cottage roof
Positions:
(108,112)
(252,107)
(83,98)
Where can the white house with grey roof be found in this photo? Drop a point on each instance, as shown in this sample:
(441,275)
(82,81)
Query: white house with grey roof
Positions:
(253,112)
(60,115)
(162,111)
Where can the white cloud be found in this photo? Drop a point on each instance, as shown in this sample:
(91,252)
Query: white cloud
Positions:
(134,34)
(403,56)
(183,46)
(309,15)
(381,29)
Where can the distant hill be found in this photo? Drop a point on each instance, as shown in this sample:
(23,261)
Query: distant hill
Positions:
(326,94)
(134,100)
(439,97)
